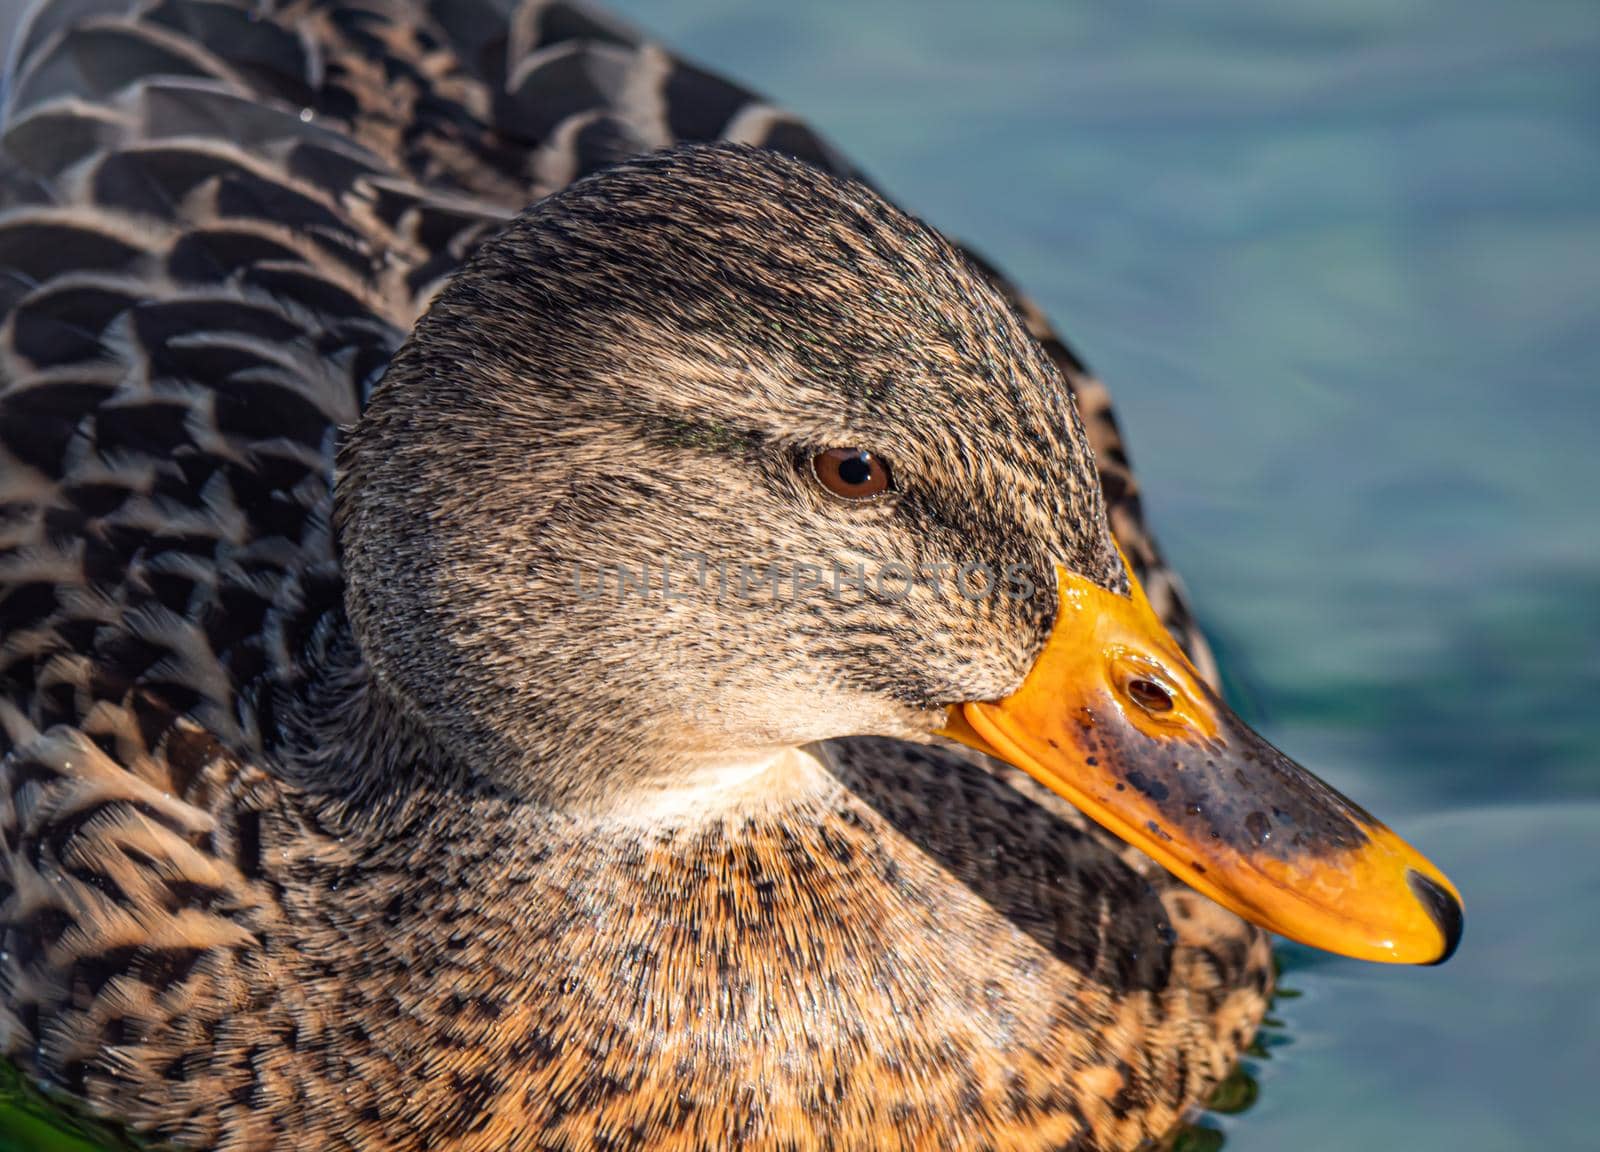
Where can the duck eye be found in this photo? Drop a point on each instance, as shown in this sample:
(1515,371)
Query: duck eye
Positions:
(1149,695)
(851,473)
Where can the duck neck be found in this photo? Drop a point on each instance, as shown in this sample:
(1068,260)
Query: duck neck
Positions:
(362,750)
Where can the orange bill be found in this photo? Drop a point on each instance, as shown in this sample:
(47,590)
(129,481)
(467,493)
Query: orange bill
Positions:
(1113,718)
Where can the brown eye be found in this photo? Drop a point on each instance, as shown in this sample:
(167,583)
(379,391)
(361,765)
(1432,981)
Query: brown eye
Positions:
(1149,695)
(851,473)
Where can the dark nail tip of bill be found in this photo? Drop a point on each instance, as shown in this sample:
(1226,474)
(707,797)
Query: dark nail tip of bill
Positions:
(1443,907)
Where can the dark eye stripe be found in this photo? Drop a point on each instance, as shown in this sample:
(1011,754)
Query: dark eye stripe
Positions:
(851,473)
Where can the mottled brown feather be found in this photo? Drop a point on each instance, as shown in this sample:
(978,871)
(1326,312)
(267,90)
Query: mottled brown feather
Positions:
(254,895)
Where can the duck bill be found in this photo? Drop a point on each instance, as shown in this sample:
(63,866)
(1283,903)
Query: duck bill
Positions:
(1114,719)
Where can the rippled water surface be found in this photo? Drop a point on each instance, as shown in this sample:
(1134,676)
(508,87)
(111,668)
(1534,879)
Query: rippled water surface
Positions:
(1340,263)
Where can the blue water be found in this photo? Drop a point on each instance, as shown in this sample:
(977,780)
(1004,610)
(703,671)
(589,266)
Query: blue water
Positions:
(1340,263)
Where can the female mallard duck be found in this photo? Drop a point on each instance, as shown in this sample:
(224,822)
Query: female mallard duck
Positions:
(569,766)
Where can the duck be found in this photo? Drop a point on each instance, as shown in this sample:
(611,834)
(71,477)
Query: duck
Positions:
(538,610)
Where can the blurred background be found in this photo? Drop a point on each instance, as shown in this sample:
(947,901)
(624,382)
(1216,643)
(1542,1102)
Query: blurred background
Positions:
(1339,262)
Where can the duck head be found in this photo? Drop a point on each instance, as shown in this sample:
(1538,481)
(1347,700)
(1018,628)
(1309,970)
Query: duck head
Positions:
(711,456)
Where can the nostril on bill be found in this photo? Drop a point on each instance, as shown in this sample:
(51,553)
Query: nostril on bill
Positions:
(1444,908)
(1149,695)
